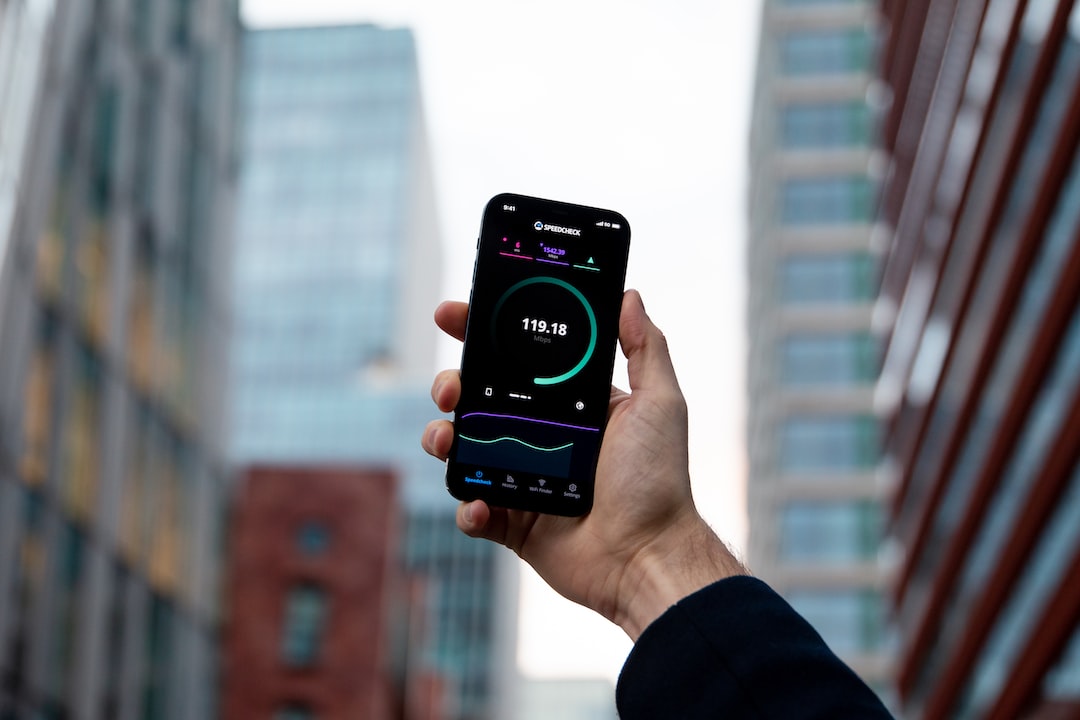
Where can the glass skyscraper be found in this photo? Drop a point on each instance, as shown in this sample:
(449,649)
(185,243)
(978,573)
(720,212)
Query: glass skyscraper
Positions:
(336,278)
(815,503)
(111,324)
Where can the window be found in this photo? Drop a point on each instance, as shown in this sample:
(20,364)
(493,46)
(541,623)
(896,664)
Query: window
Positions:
(294,711)
(828,52)
(848,620)
(825,125)
(830,532)
(313,538)
(827,278)
(81,461)
(829,359)
(828,443)
(826,200)
(39,403)
(305,616)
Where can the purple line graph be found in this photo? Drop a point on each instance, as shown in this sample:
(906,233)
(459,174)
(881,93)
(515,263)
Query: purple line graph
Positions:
(532,420)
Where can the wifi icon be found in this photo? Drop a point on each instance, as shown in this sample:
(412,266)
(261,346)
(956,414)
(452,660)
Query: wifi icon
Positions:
(543,482)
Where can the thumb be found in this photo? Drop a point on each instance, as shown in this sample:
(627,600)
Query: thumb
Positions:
(645,347)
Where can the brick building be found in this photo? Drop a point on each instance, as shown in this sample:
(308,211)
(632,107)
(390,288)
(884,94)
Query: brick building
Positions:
(315,594)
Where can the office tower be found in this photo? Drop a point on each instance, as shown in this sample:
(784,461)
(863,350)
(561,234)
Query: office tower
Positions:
(337,272)
(111,496)
(981,373)
(814,501)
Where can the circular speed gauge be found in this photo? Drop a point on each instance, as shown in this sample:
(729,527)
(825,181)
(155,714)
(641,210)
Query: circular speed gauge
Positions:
(546,327)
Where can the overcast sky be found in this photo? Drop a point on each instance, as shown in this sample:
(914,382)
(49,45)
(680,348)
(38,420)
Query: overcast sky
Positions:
(641,106)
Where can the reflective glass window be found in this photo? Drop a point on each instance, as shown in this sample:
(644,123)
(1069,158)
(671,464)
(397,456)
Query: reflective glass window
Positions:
(825,125)
(825,52)
(81,461)
(305,618)
(826,200)
(830,532)
(827,278)
(157,679)
(294,711)
(1063,680)
(829,359)
(828,443)
(69,569)
(39,407)
(313,538)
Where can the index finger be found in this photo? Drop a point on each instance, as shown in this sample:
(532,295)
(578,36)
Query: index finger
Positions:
(451,317)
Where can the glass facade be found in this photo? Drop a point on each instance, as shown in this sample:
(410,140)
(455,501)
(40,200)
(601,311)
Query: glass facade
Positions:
(111,472)
(462,574)
(333,253)
(814,445)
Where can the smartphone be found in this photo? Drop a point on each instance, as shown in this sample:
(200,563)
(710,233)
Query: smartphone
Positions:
(538,355)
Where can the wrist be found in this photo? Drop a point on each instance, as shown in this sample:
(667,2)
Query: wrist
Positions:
(685,558)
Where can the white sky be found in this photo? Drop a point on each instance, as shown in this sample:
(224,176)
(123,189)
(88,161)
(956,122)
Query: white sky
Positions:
(640,106)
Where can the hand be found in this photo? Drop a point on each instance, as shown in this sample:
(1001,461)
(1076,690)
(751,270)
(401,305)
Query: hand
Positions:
(643,546)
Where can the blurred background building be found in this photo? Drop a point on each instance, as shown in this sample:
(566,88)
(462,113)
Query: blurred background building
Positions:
(815,505)
(337,275)
(314,552)
(981,377)
(114,240)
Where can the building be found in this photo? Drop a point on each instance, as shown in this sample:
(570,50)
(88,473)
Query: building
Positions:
(111,317)
(814,501)
(315,595)
(981,372)
(337,275)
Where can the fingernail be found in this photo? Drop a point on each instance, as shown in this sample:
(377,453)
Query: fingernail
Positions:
(467,514)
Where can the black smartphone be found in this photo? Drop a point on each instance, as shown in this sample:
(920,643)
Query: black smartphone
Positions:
(538,355)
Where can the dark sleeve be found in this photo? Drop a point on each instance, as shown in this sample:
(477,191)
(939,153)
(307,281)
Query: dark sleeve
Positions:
(737,650)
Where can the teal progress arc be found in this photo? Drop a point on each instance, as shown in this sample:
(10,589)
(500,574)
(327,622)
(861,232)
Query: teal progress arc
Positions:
(588,309)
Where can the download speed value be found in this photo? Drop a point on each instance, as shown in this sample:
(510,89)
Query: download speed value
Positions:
(537,325)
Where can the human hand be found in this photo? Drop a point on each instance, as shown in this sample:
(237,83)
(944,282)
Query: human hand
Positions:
(643,546)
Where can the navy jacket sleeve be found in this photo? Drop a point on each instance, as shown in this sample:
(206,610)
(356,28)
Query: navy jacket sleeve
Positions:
(737,650)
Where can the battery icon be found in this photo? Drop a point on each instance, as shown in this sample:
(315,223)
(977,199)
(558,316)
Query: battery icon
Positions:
(616,226)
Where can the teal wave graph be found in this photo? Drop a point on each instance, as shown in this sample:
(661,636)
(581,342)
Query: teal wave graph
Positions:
(518,441)
(514,454)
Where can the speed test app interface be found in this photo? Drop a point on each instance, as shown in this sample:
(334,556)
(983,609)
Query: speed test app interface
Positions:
(539,352)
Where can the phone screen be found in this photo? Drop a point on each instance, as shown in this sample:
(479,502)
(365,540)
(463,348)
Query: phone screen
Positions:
(538,356)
